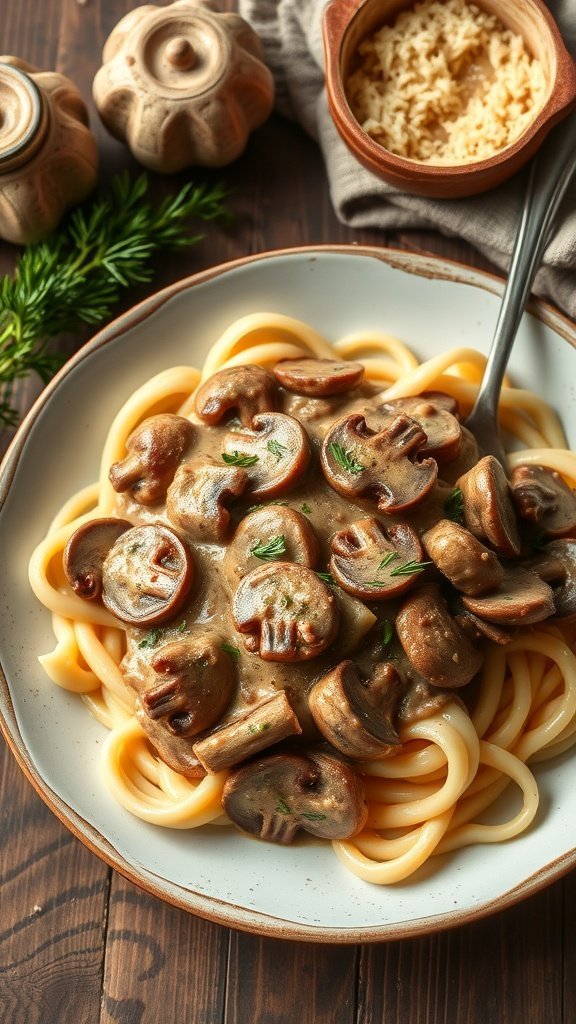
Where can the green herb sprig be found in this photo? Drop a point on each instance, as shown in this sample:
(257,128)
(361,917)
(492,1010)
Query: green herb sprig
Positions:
(273,549)
(78,274)
(347,460)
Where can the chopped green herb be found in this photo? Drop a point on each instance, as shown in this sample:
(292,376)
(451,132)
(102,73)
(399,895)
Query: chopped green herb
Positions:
(409,567)
(255,508)
(273,549)
(306,508)
(313,816)
(287,601)
(277,449)
(454,506)
(328,578)
(151,638)
(182,627)
(387,559)
(282,807)
(239,459)
(234,652)
(387,632)
(346,459)
(262,727)
(132,548)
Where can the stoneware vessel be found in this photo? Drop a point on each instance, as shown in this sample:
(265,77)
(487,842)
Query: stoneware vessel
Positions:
(183,85)
(48,155)
(348,22)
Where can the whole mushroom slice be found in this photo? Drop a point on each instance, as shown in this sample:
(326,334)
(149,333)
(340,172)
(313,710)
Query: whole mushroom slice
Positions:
(275,796)
(198,498)
(543,497)
(488,510)
(288,613)
(435,644)
(197,682)
(442,428)
(275,452)
(176,751)
(147,575)
(318,377)
(470,566)
(243,391)
(263,726)
(521,599)
(373,561)
(467,458)
(556,565)
(154,449)
(478,629)
(85,552)
(271,533)
(356,717)
(358,462)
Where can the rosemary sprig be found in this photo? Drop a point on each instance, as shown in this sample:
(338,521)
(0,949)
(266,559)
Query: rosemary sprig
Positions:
(273,549)
(409,567)
(237,458)
(79,272)
(346,459)
(277,449)
(234,652)
(454,506)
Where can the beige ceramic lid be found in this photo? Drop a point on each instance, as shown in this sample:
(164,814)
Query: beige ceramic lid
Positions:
(21,115)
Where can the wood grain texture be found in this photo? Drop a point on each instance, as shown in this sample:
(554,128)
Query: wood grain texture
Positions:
(78,943)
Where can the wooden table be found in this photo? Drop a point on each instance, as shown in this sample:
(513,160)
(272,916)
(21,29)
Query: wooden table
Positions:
(78,943)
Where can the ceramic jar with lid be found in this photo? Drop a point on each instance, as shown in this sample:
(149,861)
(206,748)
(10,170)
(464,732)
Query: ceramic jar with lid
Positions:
(48,155)
(183,85)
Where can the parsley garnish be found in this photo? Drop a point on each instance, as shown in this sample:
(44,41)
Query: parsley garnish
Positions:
(239,459)
(234,652)
(151,638)
(306,508)
(346,459)
(276,449)
(273,549)
(454,506)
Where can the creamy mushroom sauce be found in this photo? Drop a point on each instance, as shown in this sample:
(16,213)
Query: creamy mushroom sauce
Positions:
(310,634)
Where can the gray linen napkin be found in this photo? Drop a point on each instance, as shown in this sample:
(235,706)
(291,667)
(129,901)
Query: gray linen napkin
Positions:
(291,32)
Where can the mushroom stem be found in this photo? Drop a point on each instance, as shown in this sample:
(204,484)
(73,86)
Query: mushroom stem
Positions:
(270,722)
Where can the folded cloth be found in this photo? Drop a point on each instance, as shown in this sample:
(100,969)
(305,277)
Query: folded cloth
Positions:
(291,33)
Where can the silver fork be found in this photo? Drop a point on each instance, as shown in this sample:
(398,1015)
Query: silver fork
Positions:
(550,174)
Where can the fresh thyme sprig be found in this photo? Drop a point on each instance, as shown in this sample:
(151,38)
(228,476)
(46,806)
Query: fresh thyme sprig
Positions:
(78,274)
(347,460)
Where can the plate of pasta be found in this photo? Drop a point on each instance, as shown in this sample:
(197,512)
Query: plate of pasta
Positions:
(279,642)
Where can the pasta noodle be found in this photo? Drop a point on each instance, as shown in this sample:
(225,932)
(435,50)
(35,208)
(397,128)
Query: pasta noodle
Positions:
(429,798)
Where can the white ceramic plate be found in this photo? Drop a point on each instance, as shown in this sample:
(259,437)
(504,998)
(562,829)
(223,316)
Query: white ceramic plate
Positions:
(302,891)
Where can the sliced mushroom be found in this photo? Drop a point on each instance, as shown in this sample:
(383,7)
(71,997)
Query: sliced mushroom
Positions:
(287,611)
(318,377)
(271,533)
(470,566)
(478,629)
(357,462)
(465,460)
(373,561)
(556,565)
(488,510)
(154,449)
(357,717)
(147,575)
(435,644)
(198,497)
(275,452)
(442,428)
(175,751)
(542,496)
(521,599)
(275,796)
(85,552)
(269,723)
(198,680)
(242,390)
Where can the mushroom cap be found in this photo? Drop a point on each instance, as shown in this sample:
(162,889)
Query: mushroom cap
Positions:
(275,452)
(298,544)
(543,497)
(357,718)
(318,377)
(358,462)
(442,428)
(288,612)
(521,599)
(198,495)
(556,565)
(85,552)
(276,795)
(367,555)
(147,575)
(470,566)
(241,390)
(467,458)
(488,510)
(197,680)
(155,449)
(435,644)
(176,751)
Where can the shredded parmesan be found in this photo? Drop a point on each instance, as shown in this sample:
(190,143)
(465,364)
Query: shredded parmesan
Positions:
(447,83)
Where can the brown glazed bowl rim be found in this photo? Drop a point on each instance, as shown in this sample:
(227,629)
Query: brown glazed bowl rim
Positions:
(338,19)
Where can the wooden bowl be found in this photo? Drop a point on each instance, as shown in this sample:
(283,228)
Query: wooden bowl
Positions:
(348,22)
